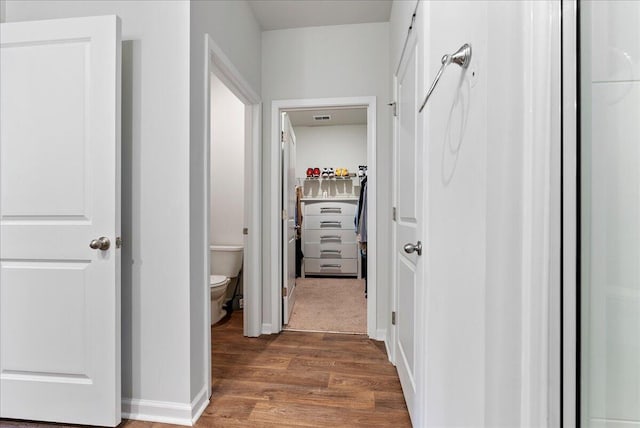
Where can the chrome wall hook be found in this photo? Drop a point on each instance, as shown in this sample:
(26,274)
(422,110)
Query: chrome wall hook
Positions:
(462,57)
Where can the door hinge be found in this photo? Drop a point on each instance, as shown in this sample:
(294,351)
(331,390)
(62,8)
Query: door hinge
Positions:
(285,292)
(393,318)
(394,214)
(394,107)
(245,230)
(118,242)
(282,136)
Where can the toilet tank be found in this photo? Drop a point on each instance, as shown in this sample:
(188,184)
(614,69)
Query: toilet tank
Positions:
(226,259)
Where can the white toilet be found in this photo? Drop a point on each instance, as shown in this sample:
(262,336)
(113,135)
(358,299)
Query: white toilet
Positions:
(226,263)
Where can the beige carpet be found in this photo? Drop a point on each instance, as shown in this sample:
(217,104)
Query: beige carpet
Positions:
(329,304)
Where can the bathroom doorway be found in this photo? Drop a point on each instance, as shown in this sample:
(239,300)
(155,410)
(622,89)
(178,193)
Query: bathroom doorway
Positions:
(231,216)
(327,232)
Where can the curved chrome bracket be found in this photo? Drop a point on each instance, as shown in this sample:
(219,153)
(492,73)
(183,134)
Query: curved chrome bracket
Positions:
(462,57)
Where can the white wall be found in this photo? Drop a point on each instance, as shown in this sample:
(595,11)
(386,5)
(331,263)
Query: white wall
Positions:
(483,133)
(155,205)
(333,61)
(3,9)
(227,166)
(233,27)
(339,146)
(610,307)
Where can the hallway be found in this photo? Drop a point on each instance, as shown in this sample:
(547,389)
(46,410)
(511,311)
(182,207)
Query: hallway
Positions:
(301,379)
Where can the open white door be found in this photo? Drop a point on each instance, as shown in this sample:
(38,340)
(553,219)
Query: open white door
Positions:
(59,193)
(409,177)
(288,218)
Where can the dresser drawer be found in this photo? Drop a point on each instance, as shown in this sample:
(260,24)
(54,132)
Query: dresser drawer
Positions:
(330,251)
(329,236)
(329,222)
(335,208)
(330,266)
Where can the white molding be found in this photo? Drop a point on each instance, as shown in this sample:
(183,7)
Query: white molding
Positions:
(540,138)
(570,211)
(199,403)
(216,62)
(276,225)
(157,411)
(266,329)
(381,335)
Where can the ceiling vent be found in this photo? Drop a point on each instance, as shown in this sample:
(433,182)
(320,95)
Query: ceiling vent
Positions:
(321,117)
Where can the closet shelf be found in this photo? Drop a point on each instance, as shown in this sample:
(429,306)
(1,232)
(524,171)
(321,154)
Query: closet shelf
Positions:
(350,177)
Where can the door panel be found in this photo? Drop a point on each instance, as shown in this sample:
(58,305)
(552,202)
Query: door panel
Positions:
(289,225)
(60,189)
(409,176)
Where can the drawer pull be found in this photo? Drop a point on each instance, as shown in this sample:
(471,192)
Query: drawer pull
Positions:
(327,223)
(331,237)
(331,209)
(331,266)
(332,252)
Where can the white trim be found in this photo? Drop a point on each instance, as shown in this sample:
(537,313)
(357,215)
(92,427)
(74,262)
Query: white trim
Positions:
(570,211)
(266,329)
(157,411)
(216,62)
(275,186)
(381,335)
(199,404)
(541,140)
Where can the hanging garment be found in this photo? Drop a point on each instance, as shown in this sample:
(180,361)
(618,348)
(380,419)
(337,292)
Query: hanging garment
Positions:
(361,217)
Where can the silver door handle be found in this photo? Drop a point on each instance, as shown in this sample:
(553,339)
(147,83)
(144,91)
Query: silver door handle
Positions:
(410,248)
(101,243)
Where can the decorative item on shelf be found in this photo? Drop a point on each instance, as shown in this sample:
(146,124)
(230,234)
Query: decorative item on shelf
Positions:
(362,171)
(331,172)
(316,172)
(325,172)
(309,172)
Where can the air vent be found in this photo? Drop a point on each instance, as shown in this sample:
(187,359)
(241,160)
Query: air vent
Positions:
(322,117)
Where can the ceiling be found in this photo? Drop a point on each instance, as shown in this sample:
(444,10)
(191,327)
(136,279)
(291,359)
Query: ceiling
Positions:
(281,14)
(343,116)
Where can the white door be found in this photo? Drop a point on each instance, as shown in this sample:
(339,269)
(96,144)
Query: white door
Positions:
(289,219)
(408,263)
(59,191)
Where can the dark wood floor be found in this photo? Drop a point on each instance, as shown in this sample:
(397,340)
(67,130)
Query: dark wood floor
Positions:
(296,379)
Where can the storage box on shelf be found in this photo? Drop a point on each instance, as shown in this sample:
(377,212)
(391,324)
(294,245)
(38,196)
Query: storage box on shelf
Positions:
(329,238)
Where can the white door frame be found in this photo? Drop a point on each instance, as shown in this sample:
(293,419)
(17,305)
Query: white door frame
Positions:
(217,63)
(278,107)
(570,312)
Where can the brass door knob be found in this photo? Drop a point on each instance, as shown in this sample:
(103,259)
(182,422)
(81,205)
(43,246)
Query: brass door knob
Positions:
(101,243)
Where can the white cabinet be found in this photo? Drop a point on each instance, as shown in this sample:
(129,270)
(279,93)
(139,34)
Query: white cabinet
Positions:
(329,238)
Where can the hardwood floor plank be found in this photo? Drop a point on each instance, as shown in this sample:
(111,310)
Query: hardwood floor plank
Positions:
(347,367)
(321,416)
(378,383)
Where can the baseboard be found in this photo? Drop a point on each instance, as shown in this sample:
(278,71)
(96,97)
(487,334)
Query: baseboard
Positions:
(157,411)
(199,404)
(381,334)
(266,328)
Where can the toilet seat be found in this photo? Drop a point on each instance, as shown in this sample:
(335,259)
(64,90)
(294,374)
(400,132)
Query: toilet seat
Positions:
(217,280)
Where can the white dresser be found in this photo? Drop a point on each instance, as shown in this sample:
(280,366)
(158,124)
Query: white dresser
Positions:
(328,237)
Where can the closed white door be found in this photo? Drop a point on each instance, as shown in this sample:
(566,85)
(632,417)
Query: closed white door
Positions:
(289,219)
(409,241)
(59,194)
